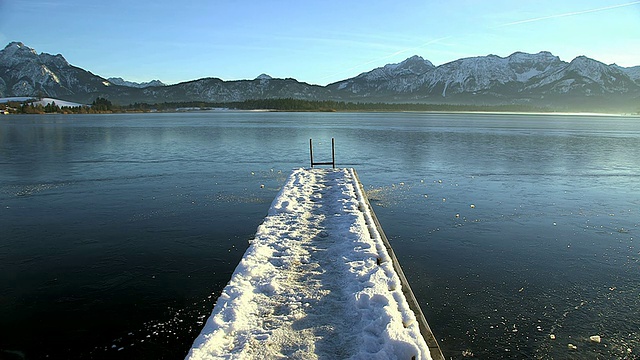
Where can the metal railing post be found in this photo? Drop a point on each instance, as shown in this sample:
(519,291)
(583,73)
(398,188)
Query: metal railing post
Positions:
(311,150)
(333,154)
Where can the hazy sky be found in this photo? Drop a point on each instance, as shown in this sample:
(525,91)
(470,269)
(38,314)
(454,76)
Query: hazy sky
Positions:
(314,41)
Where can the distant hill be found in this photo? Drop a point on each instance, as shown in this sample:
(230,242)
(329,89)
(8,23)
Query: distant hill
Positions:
(541,80)
(122,82)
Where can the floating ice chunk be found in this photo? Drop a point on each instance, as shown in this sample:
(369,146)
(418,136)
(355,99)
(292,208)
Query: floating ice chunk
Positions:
(595,338)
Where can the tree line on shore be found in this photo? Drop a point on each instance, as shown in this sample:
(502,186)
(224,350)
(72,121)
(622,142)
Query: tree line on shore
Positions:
(34,106)
(101,105)
(289,104)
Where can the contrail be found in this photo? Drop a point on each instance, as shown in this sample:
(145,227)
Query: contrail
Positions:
(495,27)
(568,14)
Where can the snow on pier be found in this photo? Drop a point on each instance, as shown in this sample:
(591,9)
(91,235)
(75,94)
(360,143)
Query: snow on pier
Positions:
(317,282)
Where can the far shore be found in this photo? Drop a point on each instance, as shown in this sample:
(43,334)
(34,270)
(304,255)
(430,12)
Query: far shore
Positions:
(25,105)
(535,113)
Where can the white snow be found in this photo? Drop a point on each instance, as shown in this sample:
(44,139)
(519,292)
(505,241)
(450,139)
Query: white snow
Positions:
(50,73)
(46,101)
(43,101)
(315,283)
(527,75)
(14,98)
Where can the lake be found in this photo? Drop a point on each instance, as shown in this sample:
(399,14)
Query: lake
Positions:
(117,232)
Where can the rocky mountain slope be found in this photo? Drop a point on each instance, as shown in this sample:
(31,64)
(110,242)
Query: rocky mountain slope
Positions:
(540,79)
(517,79)
(25,73)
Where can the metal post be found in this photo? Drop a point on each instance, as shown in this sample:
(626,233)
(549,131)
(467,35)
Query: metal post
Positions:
(311,150)
(333,152)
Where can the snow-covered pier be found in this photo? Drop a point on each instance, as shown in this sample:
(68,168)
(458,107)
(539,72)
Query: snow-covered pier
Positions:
(318,281)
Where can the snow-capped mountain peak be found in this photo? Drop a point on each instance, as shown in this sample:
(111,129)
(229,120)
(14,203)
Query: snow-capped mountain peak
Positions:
(414,65)
(415,62)
(14,46)
(25,73)
(15,53)
(263,77)
(401,76)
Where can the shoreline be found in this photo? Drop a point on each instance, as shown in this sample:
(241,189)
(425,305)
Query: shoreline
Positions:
(480,112)
(536,113)
(18,105)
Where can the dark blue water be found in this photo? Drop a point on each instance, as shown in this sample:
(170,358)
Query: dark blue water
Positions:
(117,232)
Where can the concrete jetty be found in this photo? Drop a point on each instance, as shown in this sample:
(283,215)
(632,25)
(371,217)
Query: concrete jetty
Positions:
(319,281)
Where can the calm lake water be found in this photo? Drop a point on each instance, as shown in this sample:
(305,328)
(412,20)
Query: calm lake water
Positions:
(117,232)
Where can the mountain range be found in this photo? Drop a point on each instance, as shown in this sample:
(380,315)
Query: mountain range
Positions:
(541,80)
(122,82)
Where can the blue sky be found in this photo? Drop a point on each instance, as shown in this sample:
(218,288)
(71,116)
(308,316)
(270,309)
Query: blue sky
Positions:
(318,42)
